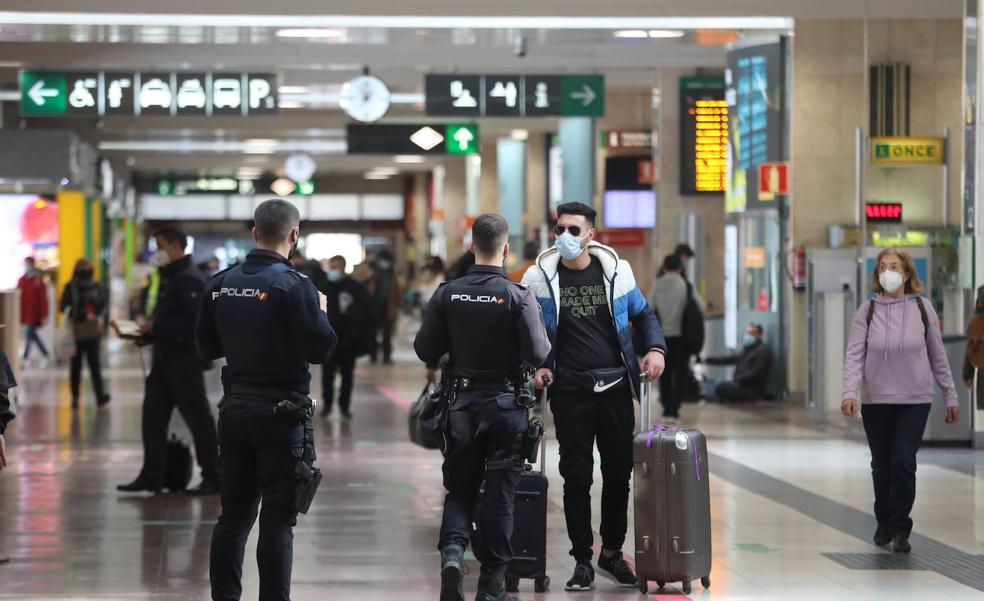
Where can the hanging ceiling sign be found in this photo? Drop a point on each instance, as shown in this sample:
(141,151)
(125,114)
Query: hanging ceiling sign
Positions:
(515,95)
(111,94)
(431,138)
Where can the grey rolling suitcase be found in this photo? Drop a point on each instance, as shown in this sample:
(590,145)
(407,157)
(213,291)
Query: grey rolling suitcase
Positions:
(672,504)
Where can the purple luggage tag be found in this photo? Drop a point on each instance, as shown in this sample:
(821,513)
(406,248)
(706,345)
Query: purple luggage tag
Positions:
(662,428)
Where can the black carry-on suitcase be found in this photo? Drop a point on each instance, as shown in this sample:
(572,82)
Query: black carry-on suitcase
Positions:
(177,465)
(672,504)
(529,539)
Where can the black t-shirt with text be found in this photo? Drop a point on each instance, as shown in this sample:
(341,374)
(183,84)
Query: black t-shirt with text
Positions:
(586,337)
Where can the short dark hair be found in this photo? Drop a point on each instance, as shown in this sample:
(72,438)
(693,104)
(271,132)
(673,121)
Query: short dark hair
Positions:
(531,250)
(339,259)
(672,263)
(758,327)
(578,208)
(172,234)
(684,250)
(489,233)
(274,219)
(29,260)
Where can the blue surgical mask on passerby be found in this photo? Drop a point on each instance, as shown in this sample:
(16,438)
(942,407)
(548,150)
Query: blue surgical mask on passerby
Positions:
(750,340)
(569,246)
(334,275)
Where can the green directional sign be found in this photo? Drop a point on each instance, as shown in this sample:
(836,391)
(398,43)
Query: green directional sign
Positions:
(582,95)
(461,138)
(43,93)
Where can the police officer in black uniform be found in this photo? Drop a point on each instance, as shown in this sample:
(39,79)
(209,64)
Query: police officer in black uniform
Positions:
(269,322)
(493,330)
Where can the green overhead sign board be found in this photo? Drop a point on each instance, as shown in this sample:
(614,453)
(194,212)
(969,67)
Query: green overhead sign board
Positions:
(43,93)
(582,95)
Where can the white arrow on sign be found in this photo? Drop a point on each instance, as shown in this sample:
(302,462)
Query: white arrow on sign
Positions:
(38,92)
(586,95)
(464,138)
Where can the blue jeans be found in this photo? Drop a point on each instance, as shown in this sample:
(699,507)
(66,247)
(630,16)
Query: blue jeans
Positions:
(31,337)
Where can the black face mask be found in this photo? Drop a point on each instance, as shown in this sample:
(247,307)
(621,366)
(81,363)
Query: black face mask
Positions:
(85,274)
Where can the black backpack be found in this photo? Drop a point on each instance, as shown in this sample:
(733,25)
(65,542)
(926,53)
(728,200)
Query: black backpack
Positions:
(692,331)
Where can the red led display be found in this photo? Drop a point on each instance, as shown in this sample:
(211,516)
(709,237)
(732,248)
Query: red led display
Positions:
(884,212)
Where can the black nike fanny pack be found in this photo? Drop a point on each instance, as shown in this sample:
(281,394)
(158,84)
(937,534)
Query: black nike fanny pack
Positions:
(596,381)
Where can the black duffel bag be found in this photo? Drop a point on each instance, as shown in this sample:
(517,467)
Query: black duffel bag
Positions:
(427,420)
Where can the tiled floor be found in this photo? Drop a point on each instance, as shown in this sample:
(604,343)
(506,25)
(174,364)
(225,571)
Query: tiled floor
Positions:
(790,503)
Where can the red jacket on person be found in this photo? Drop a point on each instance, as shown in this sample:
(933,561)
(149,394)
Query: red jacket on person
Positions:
(34,300)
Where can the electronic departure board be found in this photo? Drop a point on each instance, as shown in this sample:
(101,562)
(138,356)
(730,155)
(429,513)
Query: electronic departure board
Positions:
(703,136)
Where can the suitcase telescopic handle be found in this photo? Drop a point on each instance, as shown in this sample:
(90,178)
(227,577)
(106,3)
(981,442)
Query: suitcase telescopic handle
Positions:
(543,438)
(645,414)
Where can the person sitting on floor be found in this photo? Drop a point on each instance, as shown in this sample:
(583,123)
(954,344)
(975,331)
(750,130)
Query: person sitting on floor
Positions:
(752,363)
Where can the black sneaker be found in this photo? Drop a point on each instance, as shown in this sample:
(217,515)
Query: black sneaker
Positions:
(583,579)
(901,544)
(204,489)
(452,573)
(487,596)
(141,484)
(619,569)
(883,536)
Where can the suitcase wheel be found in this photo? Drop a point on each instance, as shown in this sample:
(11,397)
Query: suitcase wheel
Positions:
(643,587)
(687,588)
(705,582)
(542,585)
(512,584)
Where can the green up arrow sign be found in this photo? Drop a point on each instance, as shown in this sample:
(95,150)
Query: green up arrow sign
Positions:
(461,139)
(43,93)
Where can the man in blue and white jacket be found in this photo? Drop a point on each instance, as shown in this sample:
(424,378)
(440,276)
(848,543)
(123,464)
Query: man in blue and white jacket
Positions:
(589,297)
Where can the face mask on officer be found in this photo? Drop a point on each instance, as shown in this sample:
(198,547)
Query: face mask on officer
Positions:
(296,235)
(161,258)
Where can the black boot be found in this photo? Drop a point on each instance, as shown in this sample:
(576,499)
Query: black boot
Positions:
(452,573)
(901,544)
(141,484)
(492,585)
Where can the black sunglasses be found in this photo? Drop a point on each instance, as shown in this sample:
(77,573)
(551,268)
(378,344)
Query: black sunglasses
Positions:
(575,230)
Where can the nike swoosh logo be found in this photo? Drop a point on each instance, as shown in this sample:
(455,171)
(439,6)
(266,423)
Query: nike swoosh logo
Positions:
(602,387)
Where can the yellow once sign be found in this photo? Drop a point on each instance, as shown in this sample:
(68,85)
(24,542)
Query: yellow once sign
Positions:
(902,151)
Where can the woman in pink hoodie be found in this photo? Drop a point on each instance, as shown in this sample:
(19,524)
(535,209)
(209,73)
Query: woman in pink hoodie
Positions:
(893,355)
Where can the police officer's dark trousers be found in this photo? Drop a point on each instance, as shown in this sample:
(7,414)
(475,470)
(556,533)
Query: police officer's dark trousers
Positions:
(259,452)
(177,380)
(485,426)
(581,417)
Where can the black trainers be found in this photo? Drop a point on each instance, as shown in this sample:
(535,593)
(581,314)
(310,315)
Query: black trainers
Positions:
(901,544)
(141,484)
(583,579)
(452,573)
(487,596)
(883,536)
(619,569)
(205,488)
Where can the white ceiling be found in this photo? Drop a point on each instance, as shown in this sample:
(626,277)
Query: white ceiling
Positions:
(453,36)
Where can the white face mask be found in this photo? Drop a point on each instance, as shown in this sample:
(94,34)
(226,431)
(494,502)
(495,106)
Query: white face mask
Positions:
(890,281)
(160,258)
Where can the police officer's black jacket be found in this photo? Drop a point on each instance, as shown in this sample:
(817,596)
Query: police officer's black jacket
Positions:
(178,303)
(6,383)
(491,327)
(265,319)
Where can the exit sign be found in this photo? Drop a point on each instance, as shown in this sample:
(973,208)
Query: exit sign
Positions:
(884,212)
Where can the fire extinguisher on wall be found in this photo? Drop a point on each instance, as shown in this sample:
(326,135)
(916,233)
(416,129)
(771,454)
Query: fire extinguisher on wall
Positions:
(798,272)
